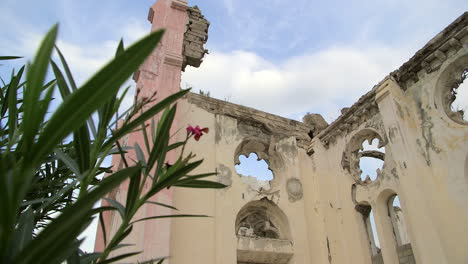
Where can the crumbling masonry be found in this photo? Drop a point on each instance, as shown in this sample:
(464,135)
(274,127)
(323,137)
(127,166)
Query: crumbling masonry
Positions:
(317,208)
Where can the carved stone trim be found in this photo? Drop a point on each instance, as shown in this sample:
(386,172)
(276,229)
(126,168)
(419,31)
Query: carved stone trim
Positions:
(434,53)
(173,59)
(179,4)
(358,113)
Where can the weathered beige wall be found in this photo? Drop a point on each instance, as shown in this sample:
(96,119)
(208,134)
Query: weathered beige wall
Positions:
(214,240)
(425,160)
(426,165)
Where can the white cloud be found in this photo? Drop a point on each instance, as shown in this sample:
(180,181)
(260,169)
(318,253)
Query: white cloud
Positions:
(322,81)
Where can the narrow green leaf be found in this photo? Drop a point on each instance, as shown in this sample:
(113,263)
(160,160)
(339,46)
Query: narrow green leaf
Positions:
(82,144)
(89,258)
(196,177)
(140,155)
(117,205)
(201,184)
(123,256)
(35,79)
(143,117)
(133,194)
(120,48)
(166,216)
(175,145)
(68,188)
(69,162)
(10,57)
(151,261)
(72,82)
(163,205)
(118,238)
(158,153)
(12,97)
(145,138)
(62,84)
(69,224)
(78,107)
(44,105)
(179,173)
(122,246)
(67,69)
(24,230)
(103,227)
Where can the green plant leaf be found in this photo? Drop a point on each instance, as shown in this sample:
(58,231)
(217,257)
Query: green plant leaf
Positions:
(120,208)
(132,195)
(35,79)
(62,84)
(102,224)
(82,144)
(12,101)
(158,153)
(119,257)
(69,224)
(124,130)
(24,230)
(69,162)
(166,216)
(120,48)
(118,238)
(89,258)
(201,184)
(9,57)
(90,121)
(163,205)
(78,107)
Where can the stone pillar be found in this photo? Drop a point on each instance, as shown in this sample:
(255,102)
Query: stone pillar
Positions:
(422,230)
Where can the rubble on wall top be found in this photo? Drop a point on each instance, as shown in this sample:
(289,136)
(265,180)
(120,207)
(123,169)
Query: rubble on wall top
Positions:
(276,124)
(450,37)
(434,49)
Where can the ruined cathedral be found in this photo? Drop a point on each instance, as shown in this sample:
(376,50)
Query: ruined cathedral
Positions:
(317,207)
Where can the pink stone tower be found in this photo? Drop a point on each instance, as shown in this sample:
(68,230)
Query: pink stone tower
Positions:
(161,73)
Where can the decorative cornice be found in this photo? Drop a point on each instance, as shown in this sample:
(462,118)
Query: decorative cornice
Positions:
(434,53)
(173,59)
(179,4)
(429,58)
(357,114)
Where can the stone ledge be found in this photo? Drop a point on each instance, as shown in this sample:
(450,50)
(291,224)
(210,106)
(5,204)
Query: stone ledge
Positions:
(279,126)
(263,250)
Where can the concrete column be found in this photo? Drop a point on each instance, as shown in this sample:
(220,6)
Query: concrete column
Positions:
(384,227)
(414,188)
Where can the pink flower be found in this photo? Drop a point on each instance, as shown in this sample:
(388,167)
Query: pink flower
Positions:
(197,131)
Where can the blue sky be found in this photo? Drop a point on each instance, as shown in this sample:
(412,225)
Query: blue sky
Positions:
(284,57)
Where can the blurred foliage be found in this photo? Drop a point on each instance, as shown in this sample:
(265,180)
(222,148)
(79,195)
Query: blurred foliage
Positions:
(51,157)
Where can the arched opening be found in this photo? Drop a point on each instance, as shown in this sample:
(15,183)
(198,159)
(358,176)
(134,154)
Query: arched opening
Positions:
(458,97)
(400,229)
(364,156)
(253,166)
(452,90)
(263,234)
(371,159)
(371,230)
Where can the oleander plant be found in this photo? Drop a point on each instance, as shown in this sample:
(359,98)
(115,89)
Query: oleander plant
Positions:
(55,141)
